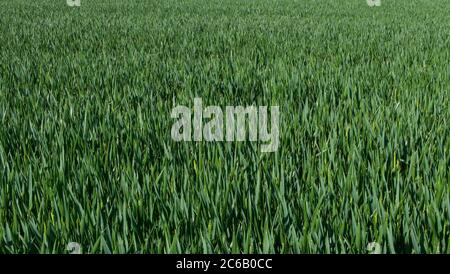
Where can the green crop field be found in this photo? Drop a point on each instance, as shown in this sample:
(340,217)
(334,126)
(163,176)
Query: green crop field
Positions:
(86,153)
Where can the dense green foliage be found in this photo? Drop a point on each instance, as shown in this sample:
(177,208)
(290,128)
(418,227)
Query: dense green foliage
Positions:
(85,147)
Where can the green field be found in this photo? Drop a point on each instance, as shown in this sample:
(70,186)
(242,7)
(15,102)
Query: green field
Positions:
(86,153)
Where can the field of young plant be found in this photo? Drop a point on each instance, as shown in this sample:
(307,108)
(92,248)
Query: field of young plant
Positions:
(86,153)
